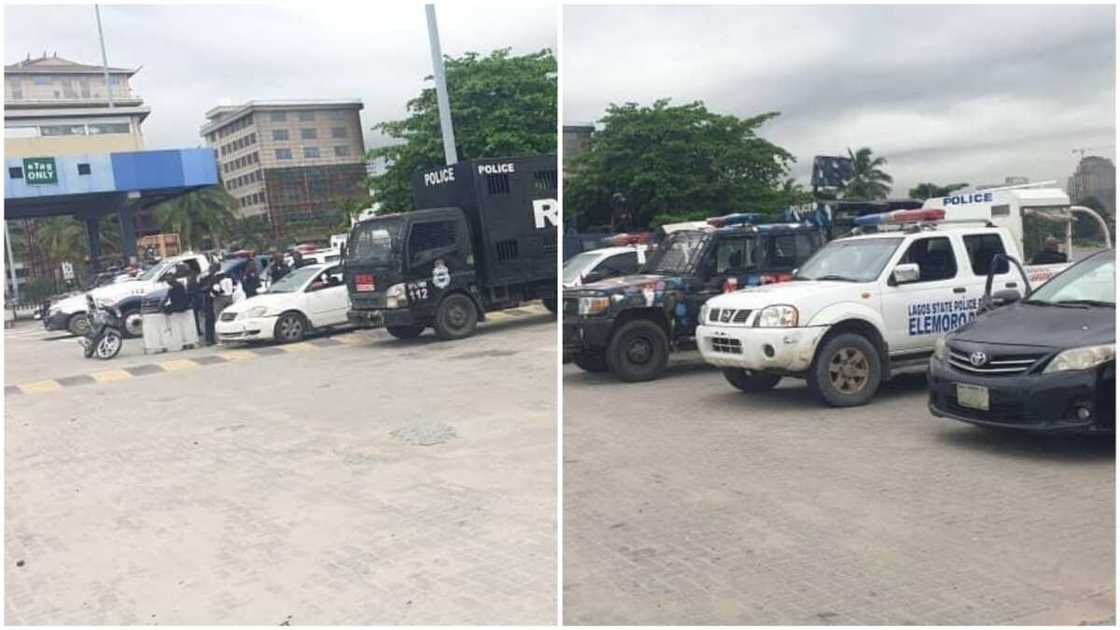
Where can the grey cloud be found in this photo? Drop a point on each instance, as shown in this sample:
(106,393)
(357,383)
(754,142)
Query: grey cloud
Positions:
(945,93)
(193,56)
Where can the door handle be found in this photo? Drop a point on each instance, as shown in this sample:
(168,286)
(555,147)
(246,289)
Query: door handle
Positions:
(1012,285)
(959,289)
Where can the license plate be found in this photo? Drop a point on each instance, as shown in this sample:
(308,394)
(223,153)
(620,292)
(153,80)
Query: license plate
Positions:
(972,396)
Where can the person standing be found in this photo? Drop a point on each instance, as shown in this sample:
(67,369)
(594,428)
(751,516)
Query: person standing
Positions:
(250,280)
(1050,253)
(278,269)
(176,306)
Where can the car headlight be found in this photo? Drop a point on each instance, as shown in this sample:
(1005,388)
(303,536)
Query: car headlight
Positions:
(1081,358)
(704,312)
(395,297)
(256,311)
(939,348)
(777,316)
(589,306)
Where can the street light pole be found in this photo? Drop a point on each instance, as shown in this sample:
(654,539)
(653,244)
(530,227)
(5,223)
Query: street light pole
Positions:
(449,153)
(104,57)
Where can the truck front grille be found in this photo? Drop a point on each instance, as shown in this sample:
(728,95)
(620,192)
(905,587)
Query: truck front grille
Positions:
(728,315)
(725,345)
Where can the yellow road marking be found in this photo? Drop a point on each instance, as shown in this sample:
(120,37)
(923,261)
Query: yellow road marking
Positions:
(40,387)
(178,364)
(353,338)
(302,346)
(109,376)
(237,355)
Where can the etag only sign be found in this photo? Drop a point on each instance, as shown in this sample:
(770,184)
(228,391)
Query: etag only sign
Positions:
(38,171)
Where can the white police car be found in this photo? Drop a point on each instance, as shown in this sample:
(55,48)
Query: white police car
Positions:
(860,310)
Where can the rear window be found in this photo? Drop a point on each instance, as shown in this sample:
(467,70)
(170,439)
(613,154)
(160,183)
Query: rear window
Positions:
(981,248)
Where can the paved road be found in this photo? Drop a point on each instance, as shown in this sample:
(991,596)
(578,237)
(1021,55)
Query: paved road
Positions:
(687,502)
(365,482)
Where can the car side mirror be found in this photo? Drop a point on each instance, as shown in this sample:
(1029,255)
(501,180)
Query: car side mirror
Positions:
(906,272)
(1005,297)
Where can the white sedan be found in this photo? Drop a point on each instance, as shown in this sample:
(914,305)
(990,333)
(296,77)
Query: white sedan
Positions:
(307,299)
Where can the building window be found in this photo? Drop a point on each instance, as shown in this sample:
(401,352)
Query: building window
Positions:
(342,150)
(279,135)
(278,116)
(105,128)
(306,116)
(63,130)
(15,172)
(83,169)
(42,81)
(309,134)
(283,154)
(338,114)
(338,132)
(310,152)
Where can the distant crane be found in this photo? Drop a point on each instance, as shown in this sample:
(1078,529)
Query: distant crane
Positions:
(1083,150)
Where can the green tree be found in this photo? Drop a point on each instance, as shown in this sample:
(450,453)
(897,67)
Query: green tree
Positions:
(63,239)
(869,180)
(250,233)
(1086,229)
(928,190)
(501,106)
(198,217)
(674,163)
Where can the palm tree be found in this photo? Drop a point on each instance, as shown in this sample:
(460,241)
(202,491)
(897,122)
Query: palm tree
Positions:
(928,190)
(198,216)
(62,238)
(868,181)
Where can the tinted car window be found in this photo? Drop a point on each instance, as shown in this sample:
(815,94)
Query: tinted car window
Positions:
(934,257)
(981,248)
(620,264)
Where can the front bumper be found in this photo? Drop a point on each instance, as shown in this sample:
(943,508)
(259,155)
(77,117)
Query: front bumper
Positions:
(1030,402)
(779,350)
(56,321)
(238,330)
(586,334)
(365,318)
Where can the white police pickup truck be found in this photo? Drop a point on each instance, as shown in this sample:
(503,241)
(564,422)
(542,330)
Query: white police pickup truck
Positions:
(862,309)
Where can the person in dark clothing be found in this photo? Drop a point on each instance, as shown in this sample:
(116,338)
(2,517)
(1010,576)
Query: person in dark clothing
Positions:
(206,289)
(195,295)
(250,281)
(177,300)
(278,269)
(1050,254)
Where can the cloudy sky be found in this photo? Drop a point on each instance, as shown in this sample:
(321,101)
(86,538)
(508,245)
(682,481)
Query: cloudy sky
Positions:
(197,56)
(946,94)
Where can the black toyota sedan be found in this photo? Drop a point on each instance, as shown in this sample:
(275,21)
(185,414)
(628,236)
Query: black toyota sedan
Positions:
(1044,363)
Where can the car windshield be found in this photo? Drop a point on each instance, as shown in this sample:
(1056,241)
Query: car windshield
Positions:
(849,260)
(373,241)
(677,253)
(294,280)
(576,265)
(154,272)
(1091,282)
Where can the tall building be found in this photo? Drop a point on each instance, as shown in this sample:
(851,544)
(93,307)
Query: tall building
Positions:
(1095,177)
(294,161)
(54,106)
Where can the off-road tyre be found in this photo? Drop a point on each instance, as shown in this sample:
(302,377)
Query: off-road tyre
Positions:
(550,304)
(405,332)
(846,372)
(137,322)
(456,317)
(78,324)
(595,362)
(638,351)
(749,381)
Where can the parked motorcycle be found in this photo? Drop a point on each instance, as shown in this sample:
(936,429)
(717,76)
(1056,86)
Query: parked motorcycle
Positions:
(103,339)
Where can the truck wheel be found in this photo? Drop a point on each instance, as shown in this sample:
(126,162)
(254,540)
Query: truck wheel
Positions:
(550,304)
(639,351)
(846,372)
(405,332)
(456,317)
(749,381)
(78,324)
(132,324)
(591,362)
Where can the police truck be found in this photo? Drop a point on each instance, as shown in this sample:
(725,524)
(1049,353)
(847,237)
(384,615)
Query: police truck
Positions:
(483,239)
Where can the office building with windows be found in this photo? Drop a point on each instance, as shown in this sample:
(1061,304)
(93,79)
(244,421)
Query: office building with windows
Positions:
(291,161)
(54,106)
